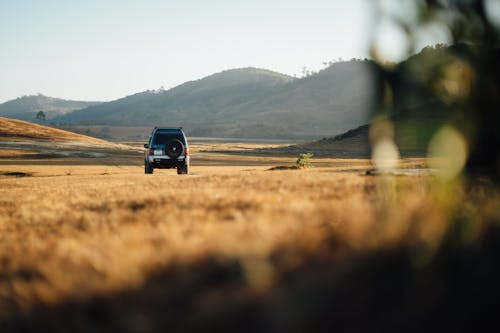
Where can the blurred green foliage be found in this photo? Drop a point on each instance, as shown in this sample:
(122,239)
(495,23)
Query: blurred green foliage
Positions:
(455,86)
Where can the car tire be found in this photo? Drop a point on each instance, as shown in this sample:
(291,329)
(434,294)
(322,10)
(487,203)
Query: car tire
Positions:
(183,169)
(174,148)
(148,169)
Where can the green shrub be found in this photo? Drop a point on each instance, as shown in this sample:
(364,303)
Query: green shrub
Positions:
(304,160)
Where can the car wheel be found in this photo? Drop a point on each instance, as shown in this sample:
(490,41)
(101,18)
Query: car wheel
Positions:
(183,169)
(148,169)
(174,148)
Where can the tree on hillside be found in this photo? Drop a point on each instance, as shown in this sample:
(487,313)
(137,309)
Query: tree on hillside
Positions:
(40,115)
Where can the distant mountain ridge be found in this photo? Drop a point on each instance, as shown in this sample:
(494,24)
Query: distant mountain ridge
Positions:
(419,105)
(247,103)
(26,107)
(188,100)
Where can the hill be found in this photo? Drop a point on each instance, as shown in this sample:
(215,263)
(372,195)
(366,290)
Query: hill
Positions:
(411,135)
(21,139)
(26,107)
(354,142)
(428,90)
(247,103)
(18,130)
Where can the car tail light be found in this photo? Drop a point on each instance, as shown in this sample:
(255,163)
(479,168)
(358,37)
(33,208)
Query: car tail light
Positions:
(186,152)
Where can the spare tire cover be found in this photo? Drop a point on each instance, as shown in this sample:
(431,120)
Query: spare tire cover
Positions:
(174,148)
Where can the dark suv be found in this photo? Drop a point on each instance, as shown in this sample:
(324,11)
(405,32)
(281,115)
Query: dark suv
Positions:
(167,149)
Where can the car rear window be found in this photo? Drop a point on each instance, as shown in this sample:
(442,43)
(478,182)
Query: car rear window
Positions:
(161,138)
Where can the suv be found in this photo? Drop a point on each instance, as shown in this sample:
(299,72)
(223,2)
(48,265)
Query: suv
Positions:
(167,148)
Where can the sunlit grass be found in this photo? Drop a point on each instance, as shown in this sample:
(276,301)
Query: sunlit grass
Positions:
(81,235)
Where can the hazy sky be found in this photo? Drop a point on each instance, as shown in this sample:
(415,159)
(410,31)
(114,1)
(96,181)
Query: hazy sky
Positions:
(107,49)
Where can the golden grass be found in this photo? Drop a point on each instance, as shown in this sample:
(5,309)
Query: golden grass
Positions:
(18,130)
(9,153)
(97,227)
(100,229)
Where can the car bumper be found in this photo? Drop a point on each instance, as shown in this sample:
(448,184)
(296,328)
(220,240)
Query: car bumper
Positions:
(167,162)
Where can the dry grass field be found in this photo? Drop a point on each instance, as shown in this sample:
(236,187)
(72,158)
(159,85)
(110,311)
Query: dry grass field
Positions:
(92,244)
